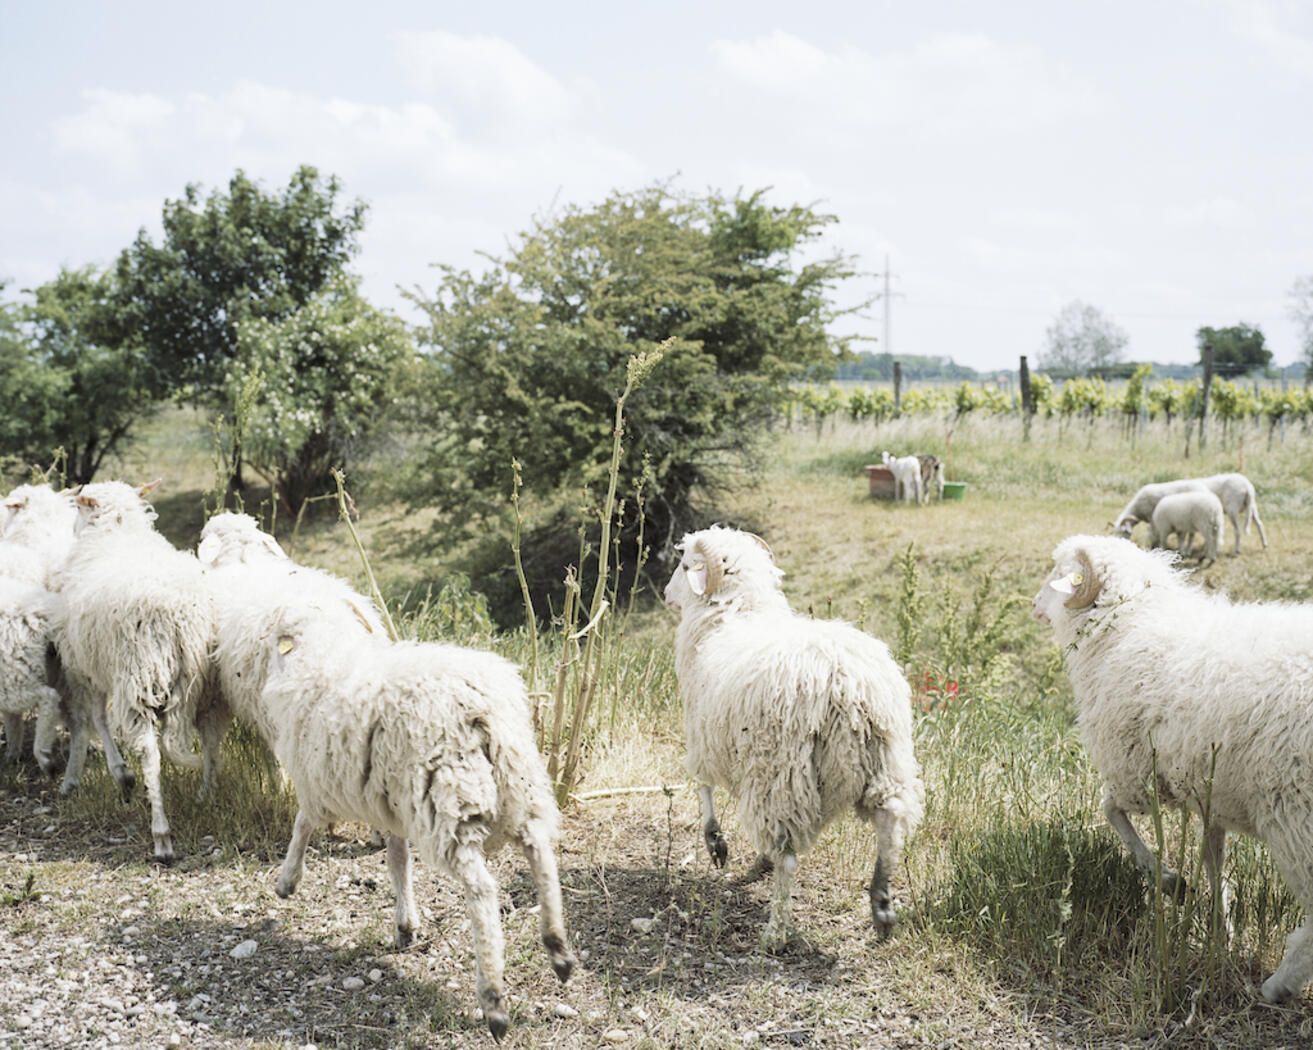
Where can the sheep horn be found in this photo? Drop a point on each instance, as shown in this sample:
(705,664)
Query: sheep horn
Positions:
(764,545)
(715,570)
(1088,589)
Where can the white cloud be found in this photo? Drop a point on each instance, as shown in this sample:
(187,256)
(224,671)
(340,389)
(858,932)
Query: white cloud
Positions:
(113,126)
(946,86)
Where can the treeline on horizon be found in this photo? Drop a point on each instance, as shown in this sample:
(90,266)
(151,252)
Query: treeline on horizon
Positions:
(870,367)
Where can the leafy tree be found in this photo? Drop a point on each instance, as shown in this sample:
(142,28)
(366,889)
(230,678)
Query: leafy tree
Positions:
(1082,338)
(74,377)
(1301,312)
(1236,350)
(528,357)
(323,377)
(230,257)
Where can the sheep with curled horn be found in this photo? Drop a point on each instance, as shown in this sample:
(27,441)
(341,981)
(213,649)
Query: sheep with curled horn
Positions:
(802,719)
(1189,699)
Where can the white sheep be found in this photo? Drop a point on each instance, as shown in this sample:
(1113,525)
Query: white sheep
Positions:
(907,476)
(1185,513)
(432,744)
(1234,490)
(253,583)
(133,628)
(24,672)
(802,719)
(36,524)
(1198,701)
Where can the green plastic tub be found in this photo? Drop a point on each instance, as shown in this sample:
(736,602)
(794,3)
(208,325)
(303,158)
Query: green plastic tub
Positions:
(955,489)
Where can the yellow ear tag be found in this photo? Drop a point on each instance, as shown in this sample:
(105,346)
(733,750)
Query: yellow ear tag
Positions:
(698,567)
(284,646)
(1077,578)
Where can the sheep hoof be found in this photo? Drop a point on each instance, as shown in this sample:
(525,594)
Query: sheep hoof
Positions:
(402,937)
(774,939)
(496,1017)
(1275,991)
(562,959)
(716,844)
(284,889)
(761,867)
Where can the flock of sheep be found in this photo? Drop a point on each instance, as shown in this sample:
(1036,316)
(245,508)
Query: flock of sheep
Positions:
(1182,696)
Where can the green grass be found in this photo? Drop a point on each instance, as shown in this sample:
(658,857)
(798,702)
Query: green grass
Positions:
(1013,885)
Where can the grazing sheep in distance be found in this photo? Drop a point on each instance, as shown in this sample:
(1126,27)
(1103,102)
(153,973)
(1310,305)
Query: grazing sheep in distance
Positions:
(1234,490)
(1197,701)
(133,626)
(802,719)
(932,473)
(1185,513)
(432,744)
(907,476)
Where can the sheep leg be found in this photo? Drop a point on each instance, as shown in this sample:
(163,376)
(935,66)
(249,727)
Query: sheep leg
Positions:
(210,725)
(79,742)
(149,750)
(537,846)
(890,829)
(776,932)
(1172,884)
(294,863)
(1295,969)
(13,736)
(43,743)
(471,870)
(711,828)
(113,757)
(403,885)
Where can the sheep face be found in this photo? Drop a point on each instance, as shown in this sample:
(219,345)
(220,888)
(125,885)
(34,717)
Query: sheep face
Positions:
(1123,527)
(112,501)
(1072,586)
(722,566)
(230,538)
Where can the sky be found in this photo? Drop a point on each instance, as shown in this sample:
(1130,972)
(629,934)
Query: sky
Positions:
(1153,159)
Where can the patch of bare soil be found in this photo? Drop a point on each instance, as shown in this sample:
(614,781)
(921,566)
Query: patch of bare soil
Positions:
(103,948)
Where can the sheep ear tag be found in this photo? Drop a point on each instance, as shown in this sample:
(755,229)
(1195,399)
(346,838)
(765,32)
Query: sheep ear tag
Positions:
(697,577)
(284,646)
(1068,584)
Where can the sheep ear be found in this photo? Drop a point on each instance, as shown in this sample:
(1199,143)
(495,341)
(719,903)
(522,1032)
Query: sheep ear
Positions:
(209,550)
(90,502)
(1086,583)
(145,489)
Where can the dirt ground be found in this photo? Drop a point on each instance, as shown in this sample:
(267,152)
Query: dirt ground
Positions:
(103,948)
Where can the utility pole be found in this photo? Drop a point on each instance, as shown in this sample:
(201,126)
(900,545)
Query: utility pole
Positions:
(887,298)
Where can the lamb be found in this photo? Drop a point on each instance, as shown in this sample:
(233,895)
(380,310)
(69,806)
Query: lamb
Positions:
(802,719)
(133,628)
(1200,701)
(1185,513)
(1234,490)
(907,476)
(932,473)
(432,744)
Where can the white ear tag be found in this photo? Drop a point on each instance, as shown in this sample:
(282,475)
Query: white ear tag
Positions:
(1068,584)
(697,577)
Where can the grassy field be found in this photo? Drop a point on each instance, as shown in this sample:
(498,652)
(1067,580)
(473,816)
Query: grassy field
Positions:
(1025,924)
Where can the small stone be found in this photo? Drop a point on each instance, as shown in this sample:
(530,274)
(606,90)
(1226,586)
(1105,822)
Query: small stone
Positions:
(375,975)
(639,1014)
(174,1040)
(244,950)
(640,925)
(22,1021)
(352,984)
(615,1035)
(132,931)
(565,1010)
(750,1037)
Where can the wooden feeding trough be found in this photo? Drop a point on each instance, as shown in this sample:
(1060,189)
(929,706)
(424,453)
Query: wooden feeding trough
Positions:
(881,480)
